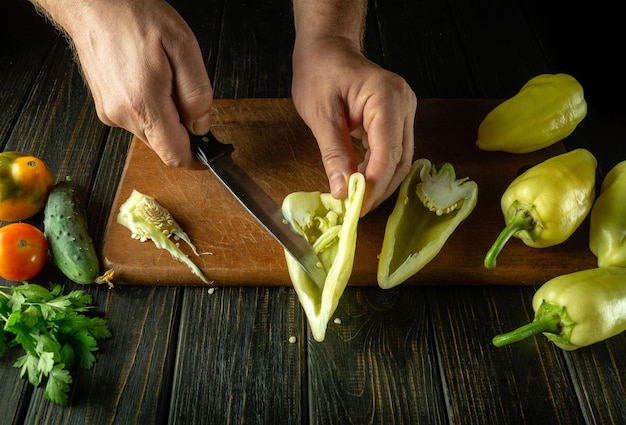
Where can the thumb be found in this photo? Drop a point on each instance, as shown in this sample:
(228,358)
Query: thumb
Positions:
(337,152)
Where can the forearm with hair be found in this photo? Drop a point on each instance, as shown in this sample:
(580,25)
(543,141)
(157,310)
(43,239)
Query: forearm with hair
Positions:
(61,13)
(55,13)
(330,18)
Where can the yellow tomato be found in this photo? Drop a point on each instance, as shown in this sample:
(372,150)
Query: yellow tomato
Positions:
(25,182)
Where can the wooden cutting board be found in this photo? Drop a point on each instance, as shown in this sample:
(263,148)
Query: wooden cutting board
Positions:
(278,150)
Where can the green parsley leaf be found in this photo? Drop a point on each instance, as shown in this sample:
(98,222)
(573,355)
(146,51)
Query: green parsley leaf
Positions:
(29,364)
(79,300)
(58,386)
(84,345)
(16,301)
(30,316)
(98,328)
(22,332)
(33,292)
(68,355)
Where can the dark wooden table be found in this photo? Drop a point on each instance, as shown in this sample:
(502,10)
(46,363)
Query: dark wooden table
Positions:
(408,355)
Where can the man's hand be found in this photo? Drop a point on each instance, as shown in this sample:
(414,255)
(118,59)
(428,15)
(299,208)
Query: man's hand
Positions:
(144,68)
(340,94)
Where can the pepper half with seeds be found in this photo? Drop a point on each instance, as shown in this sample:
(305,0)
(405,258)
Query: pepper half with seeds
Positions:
(330,226)
(431,204)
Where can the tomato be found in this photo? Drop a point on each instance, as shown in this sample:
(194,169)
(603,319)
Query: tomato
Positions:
(25,182)
(23,251)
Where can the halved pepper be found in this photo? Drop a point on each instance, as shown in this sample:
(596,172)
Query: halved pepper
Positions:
(607,222)
(545,204)
(431,204)
(330,226)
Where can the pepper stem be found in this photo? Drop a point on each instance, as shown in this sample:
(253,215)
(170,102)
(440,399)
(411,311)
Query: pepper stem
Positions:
(522,219)
(547,324)
(550,319)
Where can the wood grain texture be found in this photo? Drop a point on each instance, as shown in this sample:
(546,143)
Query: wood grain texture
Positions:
(242,368)
(374,333)
(257,60)
(275,147)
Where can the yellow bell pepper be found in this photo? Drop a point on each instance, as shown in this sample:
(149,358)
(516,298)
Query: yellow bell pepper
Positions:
(607,222)
(544,205)
(546,110)
(330,226)
(577,309)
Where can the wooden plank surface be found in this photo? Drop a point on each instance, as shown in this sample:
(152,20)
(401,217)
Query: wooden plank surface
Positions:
(275,147)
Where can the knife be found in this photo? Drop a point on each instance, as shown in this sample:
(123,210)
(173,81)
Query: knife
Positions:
(218,157)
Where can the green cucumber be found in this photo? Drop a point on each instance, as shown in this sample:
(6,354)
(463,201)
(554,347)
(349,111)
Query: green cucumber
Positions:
(65,227)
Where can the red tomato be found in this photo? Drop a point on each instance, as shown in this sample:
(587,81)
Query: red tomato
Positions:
(23,251)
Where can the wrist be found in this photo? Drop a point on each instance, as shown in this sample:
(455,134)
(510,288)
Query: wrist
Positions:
(318,21)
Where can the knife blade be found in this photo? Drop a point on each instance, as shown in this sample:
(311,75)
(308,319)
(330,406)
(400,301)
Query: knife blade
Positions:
(218,157)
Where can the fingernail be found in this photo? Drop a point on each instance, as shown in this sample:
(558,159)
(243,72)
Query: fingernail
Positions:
(337,184)
(202,125)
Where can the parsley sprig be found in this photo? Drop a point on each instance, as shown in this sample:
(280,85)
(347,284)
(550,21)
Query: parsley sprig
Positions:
(55,335)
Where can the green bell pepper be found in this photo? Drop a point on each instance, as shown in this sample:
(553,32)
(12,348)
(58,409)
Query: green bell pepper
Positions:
(577,309)
(330,226)
(607,222)
(430,206)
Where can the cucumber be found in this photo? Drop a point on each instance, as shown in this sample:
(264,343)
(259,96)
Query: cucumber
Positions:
(65,227)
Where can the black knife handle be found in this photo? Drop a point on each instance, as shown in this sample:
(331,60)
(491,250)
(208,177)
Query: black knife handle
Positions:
(207,148)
